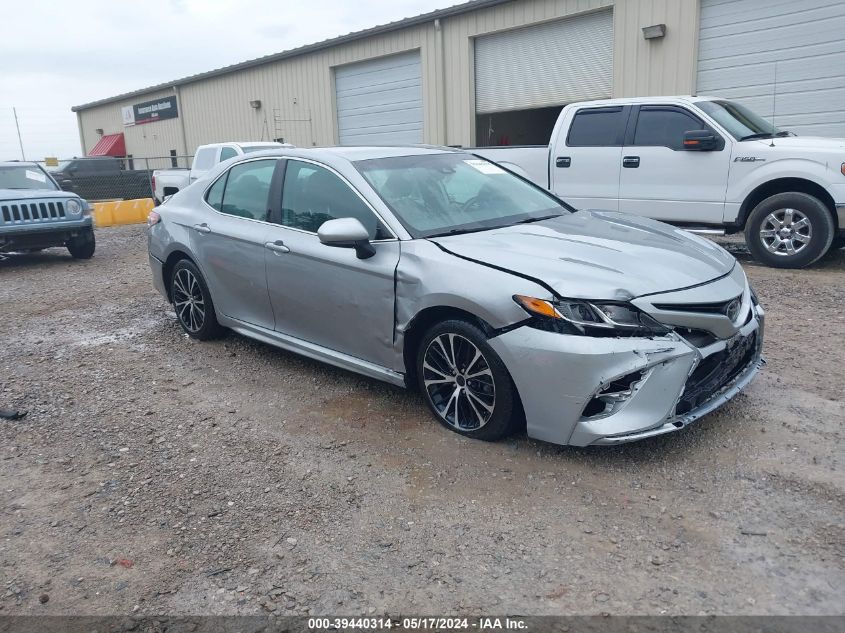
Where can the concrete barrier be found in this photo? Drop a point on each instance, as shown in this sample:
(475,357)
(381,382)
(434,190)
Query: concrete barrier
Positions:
(121,212)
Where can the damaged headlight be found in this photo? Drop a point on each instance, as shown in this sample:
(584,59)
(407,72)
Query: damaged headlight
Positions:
(590,318)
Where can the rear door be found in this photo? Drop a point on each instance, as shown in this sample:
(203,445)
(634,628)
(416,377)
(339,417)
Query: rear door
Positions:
(586,158)
(662,180)
(229,241)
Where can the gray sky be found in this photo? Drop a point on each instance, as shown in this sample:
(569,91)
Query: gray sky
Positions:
(60,54)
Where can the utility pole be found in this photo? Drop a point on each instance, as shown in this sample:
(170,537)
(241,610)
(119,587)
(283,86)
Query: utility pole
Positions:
(15,112)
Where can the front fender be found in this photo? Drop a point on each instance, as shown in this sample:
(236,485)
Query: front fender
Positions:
(744,181)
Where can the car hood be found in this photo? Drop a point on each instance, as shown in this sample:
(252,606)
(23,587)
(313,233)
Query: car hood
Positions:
(31,194)
(598,254)
(803,142)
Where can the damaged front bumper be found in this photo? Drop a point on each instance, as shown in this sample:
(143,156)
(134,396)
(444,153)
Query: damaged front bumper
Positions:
(638,383)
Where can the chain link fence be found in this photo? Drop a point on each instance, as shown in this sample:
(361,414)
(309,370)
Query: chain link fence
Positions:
(109,178)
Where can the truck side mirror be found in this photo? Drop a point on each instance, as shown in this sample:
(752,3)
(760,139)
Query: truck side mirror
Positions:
(701,141)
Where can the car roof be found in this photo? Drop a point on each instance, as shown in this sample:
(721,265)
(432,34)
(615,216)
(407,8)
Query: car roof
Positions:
(646,100)
(18,163)
(356,153)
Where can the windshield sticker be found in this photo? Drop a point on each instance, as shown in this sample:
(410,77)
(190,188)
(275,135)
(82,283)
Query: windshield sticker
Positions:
(484,167)
(34,175)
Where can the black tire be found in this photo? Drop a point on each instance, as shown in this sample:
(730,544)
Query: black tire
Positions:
(809,242)
(195,313)
(506,414)
(82,246)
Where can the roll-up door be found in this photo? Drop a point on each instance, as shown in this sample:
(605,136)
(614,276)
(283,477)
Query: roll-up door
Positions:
(379,102)
(545,65)
(740,41)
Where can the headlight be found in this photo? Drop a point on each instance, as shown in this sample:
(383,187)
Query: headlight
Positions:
(73,207)
(590,318)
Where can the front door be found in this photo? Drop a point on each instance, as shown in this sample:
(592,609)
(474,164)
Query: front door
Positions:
(324,294)
(229,241)
(663,181)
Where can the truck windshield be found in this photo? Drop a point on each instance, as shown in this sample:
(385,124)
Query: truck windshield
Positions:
(447,194)
(24,177)
(60,166)
(742,123)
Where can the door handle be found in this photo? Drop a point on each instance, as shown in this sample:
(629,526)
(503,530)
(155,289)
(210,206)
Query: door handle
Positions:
(563,161)
(631,162)
(277,247)
(202,228)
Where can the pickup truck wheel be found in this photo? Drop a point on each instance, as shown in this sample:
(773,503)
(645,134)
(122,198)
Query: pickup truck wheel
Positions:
(192,302)
(789,230)
(82,246)
(465,383)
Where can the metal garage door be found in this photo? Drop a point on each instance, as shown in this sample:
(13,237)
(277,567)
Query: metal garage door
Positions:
(740,41)
(546,65)
(380,101)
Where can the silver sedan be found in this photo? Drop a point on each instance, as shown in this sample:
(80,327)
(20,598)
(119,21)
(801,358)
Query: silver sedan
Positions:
(438,270)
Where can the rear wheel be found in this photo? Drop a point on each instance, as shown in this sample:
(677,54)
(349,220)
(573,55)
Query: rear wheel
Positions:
(192,302)
(82,246)
(789,230)
(465,383)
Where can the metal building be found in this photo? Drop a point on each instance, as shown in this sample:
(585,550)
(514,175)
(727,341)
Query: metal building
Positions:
(492,72)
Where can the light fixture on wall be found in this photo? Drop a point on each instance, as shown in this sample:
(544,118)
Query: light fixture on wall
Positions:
(99,131)
(255,104)
(654,31)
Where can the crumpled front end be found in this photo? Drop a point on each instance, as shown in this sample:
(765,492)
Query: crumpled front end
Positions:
(583,390)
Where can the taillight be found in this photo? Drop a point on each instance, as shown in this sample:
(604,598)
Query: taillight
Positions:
(153,184)
(153,218)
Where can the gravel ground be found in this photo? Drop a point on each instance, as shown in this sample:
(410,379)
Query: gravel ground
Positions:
(159,475)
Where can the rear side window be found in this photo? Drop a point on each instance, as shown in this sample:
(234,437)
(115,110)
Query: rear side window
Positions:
(226,153)
(597,127)
(664,127)
(214,197)
(248,189)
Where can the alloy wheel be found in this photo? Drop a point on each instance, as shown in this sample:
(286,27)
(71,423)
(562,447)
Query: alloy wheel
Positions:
(785,232)
(459,382)
(188,300)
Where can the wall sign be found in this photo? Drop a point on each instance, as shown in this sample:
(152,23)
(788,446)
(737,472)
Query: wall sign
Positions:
(150,111)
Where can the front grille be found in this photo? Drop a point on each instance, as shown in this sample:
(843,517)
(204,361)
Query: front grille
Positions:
(715,371)
(719,307)
(32,212)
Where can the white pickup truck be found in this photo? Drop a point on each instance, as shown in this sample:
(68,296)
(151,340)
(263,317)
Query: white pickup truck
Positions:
(166,182)
(701,163)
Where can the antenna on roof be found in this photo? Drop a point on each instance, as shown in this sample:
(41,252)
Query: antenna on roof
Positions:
(774,104)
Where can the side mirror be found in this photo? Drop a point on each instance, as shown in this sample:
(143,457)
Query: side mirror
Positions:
(701,141)
(347,233)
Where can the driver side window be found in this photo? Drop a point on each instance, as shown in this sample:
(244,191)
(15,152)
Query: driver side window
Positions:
(313,195)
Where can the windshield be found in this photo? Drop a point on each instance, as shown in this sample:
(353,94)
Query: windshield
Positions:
(442,194)
(24,177)
(739,121)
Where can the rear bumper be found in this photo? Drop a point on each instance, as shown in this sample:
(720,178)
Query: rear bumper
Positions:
(557,376)
(157,269)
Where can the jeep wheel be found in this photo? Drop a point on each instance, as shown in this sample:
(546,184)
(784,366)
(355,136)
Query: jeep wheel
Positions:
(82,246)
(789,230)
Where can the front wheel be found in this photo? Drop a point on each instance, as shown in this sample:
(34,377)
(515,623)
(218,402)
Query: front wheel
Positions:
(465,383)
(192,302)
(789,230)
(82,246)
